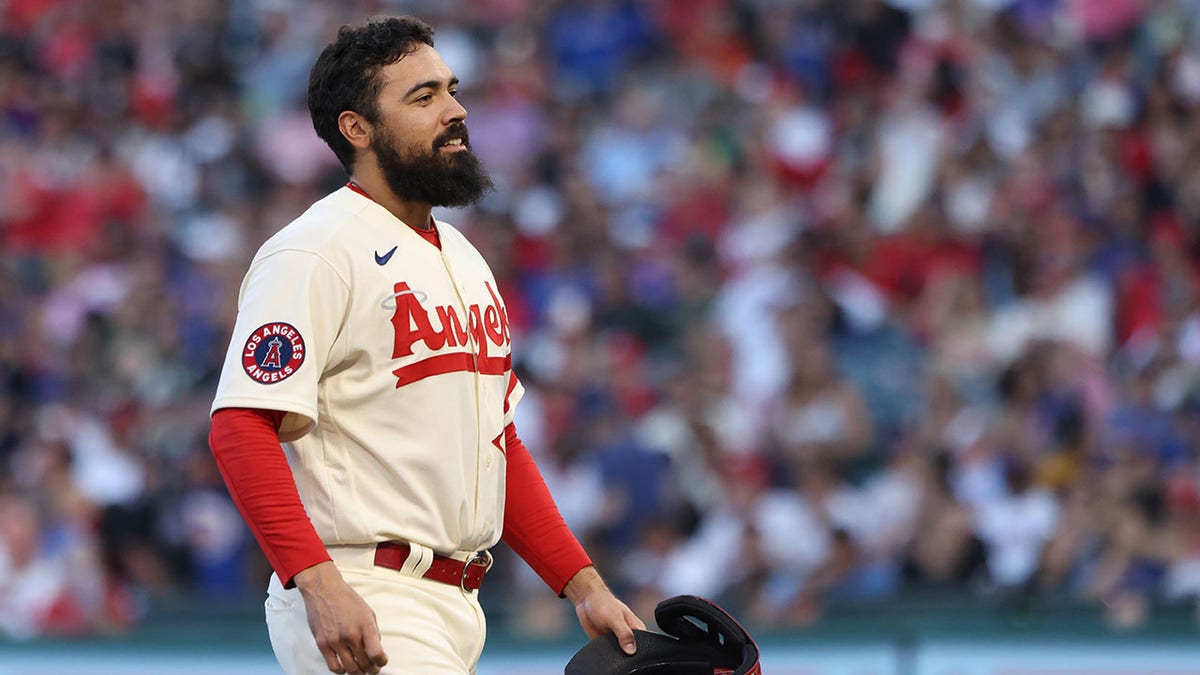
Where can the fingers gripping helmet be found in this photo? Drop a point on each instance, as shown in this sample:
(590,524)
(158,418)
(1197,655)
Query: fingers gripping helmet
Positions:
(701,639)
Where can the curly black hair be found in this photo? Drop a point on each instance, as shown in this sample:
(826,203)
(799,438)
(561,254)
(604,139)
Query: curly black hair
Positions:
(346,74)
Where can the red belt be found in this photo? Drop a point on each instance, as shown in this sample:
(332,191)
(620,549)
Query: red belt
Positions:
(466,575)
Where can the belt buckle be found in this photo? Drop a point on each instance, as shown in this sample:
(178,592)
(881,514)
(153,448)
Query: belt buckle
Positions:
(484,559)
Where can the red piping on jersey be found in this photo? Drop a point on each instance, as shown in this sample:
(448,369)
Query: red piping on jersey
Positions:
(512,384)
(358,188)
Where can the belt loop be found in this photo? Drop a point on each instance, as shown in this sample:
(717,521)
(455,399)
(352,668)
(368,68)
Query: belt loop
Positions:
(420,558)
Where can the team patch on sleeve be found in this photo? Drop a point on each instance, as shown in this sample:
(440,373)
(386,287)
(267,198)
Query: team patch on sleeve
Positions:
(273,353)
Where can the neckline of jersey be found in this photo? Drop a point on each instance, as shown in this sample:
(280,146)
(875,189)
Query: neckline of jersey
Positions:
(430,235)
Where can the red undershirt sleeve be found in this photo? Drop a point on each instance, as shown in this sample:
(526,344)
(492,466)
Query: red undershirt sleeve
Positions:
(245,443)
(533,526)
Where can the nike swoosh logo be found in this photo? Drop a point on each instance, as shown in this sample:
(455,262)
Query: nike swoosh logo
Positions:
(382,260)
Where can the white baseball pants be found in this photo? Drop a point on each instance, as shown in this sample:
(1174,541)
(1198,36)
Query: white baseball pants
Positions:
(427,627)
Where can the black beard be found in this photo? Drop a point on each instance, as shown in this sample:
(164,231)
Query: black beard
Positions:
(434,178)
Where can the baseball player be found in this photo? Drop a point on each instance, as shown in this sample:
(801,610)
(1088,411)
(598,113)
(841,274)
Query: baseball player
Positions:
(371,342)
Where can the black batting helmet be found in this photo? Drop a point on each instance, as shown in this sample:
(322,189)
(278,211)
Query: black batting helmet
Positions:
(701,639)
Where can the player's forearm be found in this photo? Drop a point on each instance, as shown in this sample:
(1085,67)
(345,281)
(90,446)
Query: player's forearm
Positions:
(533,526)
(246,448)
(599,611)
(315,579)
(585,582)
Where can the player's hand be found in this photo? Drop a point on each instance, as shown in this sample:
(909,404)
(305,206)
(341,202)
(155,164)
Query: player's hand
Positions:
(341,621)
(599,611)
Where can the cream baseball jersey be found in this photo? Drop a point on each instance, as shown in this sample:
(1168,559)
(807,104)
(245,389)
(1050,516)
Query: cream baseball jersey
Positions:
(392,361)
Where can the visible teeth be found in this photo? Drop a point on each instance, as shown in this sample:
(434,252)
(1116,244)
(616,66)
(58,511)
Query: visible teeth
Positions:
(455,141)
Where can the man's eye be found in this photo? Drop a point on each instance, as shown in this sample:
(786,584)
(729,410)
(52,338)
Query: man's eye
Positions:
(425,99)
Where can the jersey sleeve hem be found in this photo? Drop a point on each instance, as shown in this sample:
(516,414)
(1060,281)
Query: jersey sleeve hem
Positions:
(286,434)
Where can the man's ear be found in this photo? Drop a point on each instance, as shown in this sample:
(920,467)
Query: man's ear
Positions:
(355,128)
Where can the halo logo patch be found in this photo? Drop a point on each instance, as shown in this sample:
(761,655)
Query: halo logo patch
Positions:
(273,353)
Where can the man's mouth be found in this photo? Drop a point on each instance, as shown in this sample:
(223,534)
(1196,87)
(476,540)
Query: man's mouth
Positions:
(455,138)
(454,145)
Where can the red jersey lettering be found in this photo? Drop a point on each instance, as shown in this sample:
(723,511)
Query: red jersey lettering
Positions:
(486,326)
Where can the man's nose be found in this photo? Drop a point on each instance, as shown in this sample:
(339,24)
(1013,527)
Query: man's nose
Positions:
(455,112)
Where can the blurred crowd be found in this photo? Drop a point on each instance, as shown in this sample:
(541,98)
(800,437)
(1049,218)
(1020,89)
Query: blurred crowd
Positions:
(816,301)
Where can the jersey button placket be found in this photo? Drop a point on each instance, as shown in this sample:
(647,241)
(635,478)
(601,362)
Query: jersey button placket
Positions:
(474,348)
